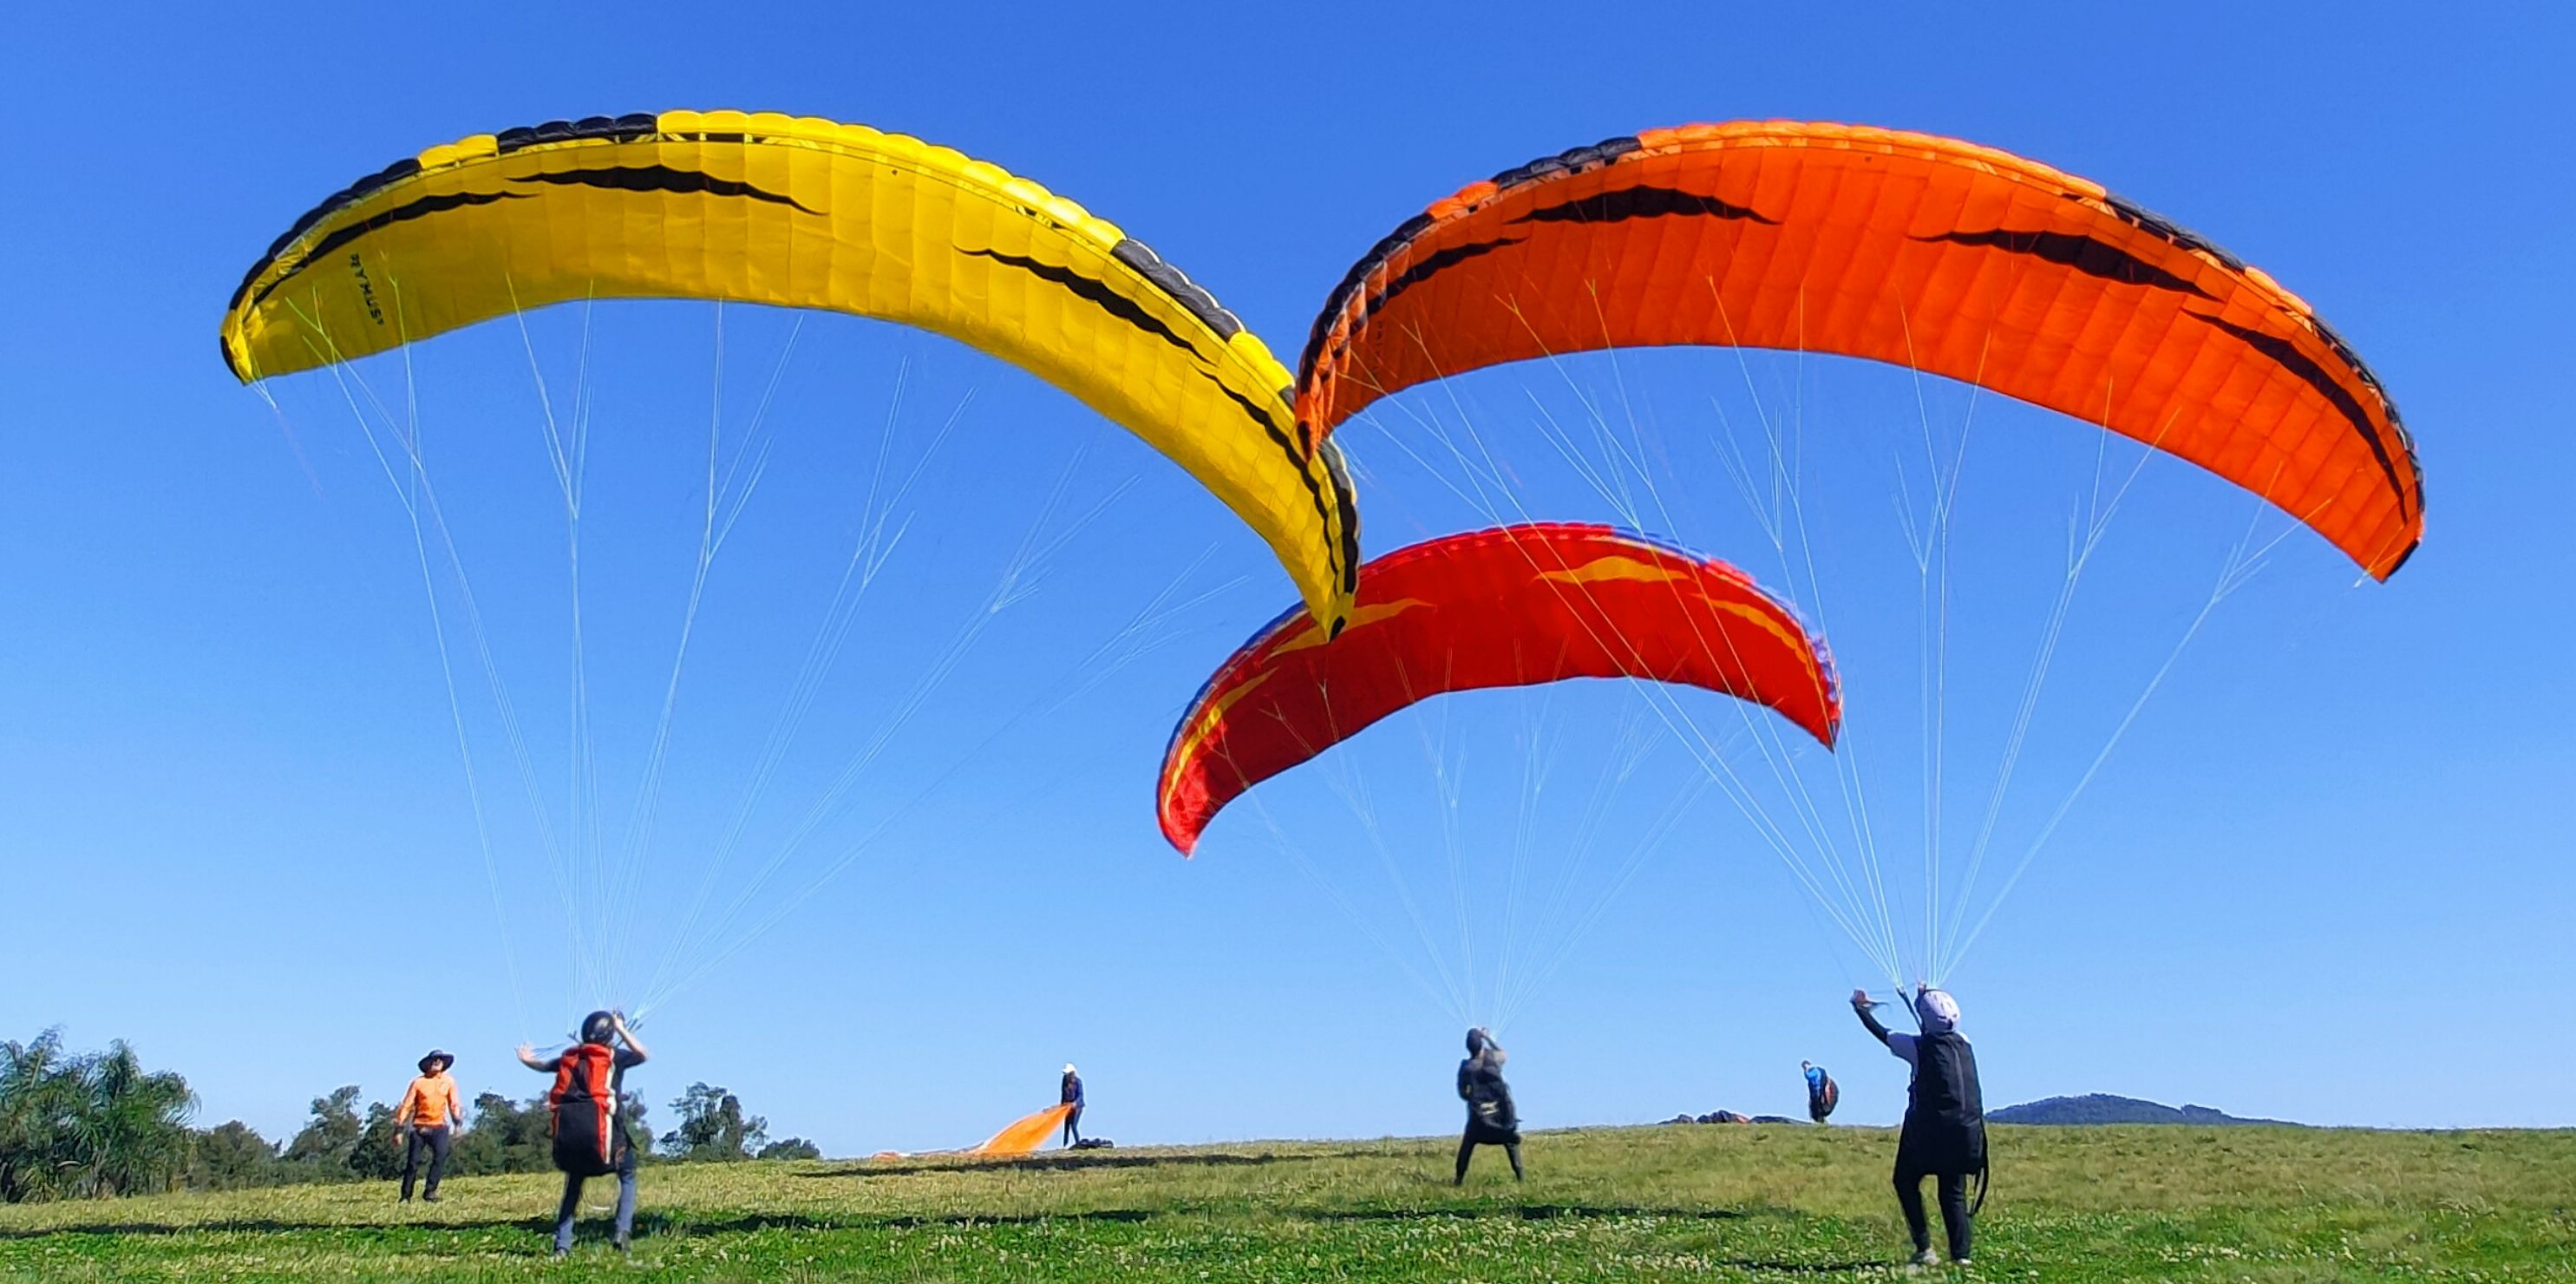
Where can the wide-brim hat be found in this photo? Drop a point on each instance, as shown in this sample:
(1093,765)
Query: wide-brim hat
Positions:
(444,1060)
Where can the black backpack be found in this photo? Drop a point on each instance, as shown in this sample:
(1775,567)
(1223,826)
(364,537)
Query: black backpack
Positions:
(1947,1100)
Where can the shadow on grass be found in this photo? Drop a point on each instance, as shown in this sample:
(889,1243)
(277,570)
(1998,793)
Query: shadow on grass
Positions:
(1804,1268)
(538,1232)
(1526,1212)
(647,1223)
(277,1226)
(1070,1162)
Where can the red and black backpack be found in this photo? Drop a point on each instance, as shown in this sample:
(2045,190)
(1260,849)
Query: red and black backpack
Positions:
(583,1103)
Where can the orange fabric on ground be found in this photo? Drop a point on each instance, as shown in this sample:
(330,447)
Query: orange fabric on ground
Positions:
(1026,1135)
(1920,251)
(429,1102)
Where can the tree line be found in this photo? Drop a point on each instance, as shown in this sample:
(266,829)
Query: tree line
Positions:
(95,1125)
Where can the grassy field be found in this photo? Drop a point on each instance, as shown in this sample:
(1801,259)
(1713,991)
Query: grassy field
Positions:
(1667,1203)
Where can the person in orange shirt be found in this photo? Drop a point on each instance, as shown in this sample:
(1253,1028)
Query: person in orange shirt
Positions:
(428,1118)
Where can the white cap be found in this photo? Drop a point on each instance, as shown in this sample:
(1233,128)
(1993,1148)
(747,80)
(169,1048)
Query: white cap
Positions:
(1068,1067)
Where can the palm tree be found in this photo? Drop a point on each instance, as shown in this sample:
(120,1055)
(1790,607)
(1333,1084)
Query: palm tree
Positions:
(95,1124)
(133,1125)
(34,1109)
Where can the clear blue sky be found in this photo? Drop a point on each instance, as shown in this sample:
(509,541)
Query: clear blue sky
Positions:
(2327,875)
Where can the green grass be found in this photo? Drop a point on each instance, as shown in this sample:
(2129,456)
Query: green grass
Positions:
(1668,1203)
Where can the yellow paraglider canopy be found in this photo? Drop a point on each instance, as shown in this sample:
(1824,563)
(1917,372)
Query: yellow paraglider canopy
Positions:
(806,213)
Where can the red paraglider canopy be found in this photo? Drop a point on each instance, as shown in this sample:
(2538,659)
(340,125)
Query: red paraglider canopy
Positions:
(1514,606)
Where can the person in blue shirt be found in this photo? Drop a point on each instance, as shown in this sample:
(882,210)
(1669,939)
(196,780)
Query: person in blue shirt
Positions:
(1945,1119)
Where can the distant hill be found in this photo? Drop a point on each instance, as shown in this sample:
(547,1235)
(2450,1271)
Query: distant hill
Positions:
(2103,1108)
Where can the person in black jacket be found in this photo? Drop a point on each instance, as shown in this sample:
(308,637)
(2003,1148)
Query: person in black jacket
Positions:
(1945,1118)
(1072,1096)
(1490,1117)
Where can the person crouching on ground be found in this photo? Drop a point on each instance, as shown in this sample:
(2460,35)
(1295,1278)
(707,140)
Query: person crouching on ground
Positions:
(427,1120)
(1490,1117)
(1072,1097)
(1945,1119)
(589,1121)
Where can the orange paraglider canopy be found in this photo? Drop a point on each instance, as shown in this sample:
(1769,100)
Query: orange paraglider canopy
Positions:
(1512,606)
(1024,1136)
(1907,248)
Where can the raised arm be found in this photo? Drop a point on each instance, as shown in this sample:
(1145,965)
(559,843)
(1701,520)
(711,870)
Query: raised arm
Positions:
(542,1065)
(618,1019)
(1868,1019)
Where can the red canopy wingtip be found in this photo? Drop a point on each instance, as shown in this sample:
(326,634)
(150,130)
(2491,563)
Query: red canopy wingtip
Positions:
(1183,836)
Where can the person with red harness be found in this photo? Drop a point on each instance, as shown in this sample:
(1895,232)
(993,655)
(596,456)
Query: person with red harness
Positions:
(589,1127)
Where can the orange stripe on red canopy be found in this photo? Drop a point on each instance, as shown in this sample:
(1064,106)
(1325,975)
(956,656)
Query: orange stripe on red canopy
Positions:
(1515,606)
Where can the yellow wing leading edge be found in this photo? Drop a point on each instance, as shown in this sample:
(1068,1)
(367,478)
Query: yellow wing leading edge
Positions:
(807,213)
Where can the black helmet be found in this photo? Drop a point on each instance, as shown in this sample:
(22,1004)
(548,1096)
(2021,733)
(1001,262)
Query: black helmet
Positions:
(1476,1041)
(598,1027)
(443,1060)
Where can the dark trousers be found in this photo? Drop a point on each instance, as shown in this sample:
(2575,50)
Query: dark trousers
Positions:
(1467,1150)
(433,1140)
(1073,1124)
(571,1206)
(1954,1209)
